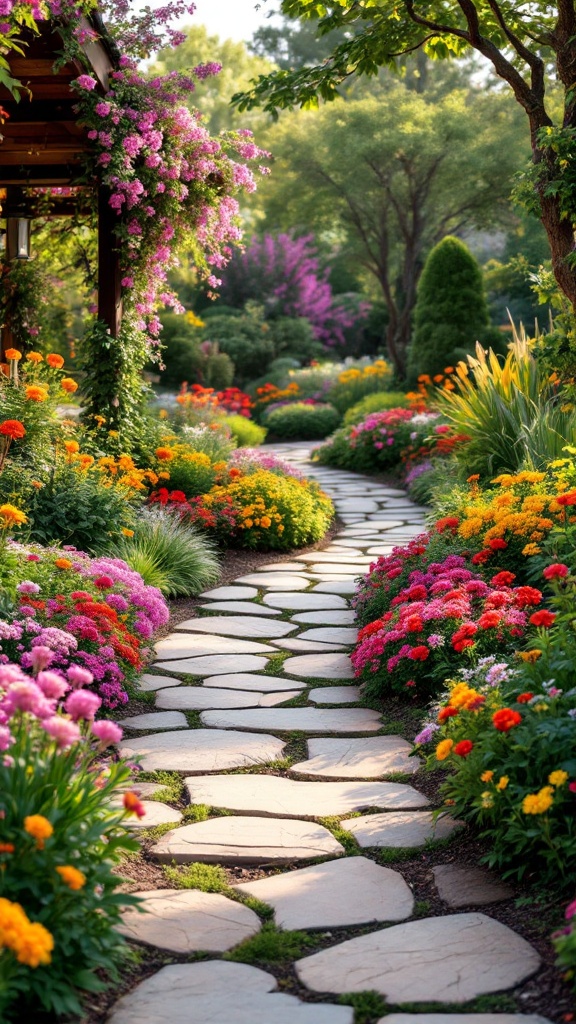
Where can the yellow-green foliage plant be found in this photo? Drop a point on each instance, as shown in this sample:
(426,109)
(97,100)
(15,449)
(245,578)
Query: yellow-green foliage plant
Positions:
(510,411)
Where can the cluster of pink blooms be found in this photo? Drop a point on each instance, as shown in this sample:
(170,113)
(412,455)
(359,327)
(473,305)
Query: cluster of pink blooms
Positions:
(57,700)
(382,425)
(444,612)
(251,460)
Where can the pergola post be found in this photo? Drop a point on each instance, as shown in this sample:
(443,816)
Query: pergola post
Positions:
(109,286)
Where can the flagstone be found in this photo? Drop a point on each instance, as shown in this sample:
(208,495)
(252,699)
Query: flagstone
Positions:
(188,921)
(231,593)
(156,813)
(274,796)
(250,681)
(358,504)
(304,602)
(276,580)
(335,695)
(213,664)
(241,839)
(336,894)
(352,568)
(345,558)
(241,625)
(188,645)
(305,646)
(339,549)
(217,990)
(463,1018)
(201,750)
(448,959)
(339,720)
(280,567)
(320,666)
(467,886)
(269,700)
(331,635)
(397,829)
(200,698)
(149,682)
(155,720)
(326,618)
(363,758)
(346,586)
(239,608)
(144,789)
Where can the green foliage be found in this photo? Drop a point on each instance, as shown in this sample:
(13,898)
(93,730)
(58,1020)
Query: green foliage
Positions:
(206,877)
(368,1006)
(354,384)
(246,433)
(185,360)
(293,338)
(271,946)
(565,945)
(79,509)
(451,312)
(193,472)
(169,555)
(112,385)
(376,402)
(246,338)
(298,420)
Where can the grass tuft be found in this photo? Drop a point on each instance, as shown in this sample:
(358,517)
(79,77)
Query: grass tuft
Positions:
(368,1006)
(205,877)
(271,946)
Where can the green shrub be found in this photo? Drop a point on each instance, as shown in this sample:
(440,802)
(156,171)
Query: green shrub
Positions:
(451,312)
(376,402)
(192,472)
(185,360)
(169,555)
(246,338)
(293,337)
(299,420)
(246,433)
(217,444)
(356,382)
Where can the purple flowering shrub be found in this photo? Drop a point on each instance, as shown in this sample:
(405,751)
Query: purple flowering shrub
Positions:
(96,612)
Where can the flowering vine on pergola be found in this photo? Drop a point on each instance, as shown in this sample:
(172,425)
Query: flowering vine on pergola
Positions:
(83,125)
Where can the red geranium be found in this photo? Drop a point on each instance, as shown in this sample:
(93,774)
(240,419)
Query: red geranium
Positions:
(447,712)
(480,557)
(525,596)
(448,523)
(556,571)
(489,620)
(524,698)
(419,653)
(503,579)
(497,544)
(463,748)
(12,429)
(567,499)
(506,719)
(542,618)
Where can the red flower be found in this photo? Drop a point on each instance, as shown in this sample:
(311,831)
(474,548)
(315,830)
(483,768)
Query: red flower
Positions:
(103,583)
(12,429)
(489,620)
(497,544)
(506,719)
(462,638)
(556,571)
(133,805)
(572,787)
(523,698)
(419,653)
(503,579)
(542,618)
(481,557)
(567,499)
(463,748)
(447,712)
(448,523)
(525,596)
(413,624)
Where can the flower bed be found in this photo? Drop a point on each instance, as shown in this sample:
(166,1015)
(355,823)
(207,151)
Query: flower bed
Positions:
(380,442)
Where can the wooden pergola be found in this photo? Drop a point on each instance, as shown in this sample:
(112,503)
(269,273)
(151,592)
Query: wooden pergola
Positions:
(42,145)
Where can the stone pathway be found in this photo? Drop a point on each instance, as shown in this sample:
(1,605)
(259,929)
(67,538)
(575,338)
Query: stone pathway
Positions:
(266,666)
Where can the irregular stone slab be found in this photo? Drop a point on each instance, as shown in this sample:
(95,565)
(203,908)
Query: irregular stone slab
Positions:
(238,608)
(335,695)
(338,577)
(200,698)
(338,549)
(188,645)
(335,587)
(326,618)
(280,567)
(340,568)
(325,556)
(151,682)
(357,504)
(245,840)
(217,990)
(274,796)
(241,625)
(201,750)
(350,542)
(231,593)
(366,758)
(342,720)
(320,666)
(440,959)
(304,602)
(386,524)
(306,646)
(462,1018)
(213,664)
(250,681)
(331,635)
(155,720)
(336,894)
(157,813)
(144,789)
(188,921)
(396,829)
(464,886)
(269,700)
(276,580)
(380,549)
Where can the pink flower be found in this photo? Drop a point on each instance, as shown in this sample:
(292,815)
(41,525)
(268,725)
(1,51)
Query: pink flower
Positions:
(79,676)
(556,571)
(82,704)
(27,587)
(86,82)
(570,910)
(62,730)
(107,732)
(6,738)
(52,685)
(40,658)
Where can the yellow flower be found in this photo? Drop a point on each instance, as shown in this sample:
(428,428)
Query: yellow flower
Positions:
(163,476)
(443,749)
(31,942)
(248,523)
(11,516)
(127,532)
(558,778)
(100,420)
(164,454)
(487,799)
(538,803)
(540,707)
(502,782)
(37,826)
(265,522)
(71,876)
(487,776)
(34,357)
(72,447)
(36,392)
(163,414)
(113,433)
(69,385)
(529,656)
(531,549)
(85,461)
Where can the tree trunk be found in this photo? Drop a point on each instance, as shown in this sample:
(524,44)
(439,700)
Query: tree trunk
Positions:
(560,234)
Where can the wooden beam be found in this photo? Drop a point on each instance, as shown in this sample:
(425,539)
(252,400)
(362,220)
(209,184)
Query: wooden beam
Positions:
(109,287)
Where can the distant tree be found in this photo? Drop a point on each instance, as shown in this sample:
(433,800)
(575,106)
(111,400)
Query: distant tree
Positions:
(289,43)
(451,312)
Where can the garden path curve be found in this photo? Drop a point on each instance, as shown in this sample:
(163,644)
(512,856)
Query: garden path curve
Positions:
(256,707)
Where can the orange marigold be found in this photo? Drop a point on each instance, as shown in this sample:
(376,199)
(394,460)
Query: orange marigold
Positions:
(69,385)
(13,429)
(34,357)
(71,876)
(164,454)
(13,354)
(36,392)
(63,563)
(54,360)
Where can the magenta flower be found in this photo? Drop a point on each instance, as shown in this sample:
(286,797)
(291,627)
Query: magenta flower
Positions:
(65,732)
(79,676)
(86,82)
(40,658)
(107,732)
(52,685)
